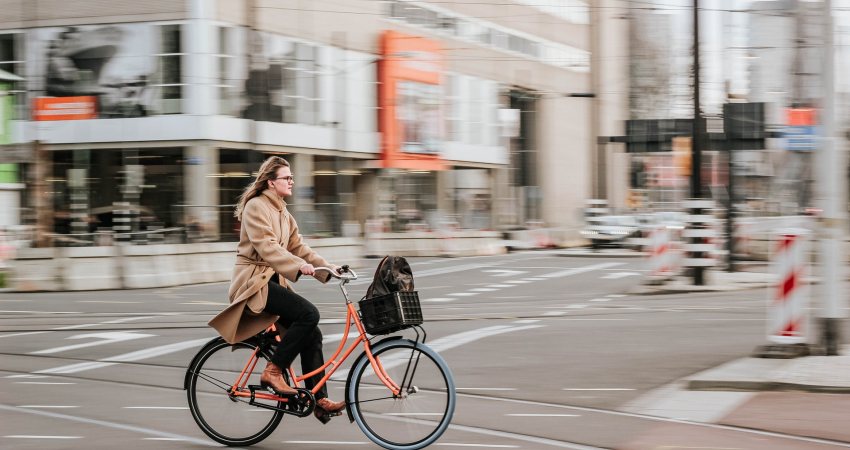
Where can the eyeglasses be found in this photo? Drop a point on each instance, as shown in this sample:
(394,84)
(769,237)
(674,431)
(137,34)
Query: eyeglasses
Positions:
(288,179)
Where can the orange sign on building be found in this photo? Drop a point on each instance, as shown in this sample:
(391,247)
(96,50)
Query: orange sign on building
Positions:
(410,75)
(65,108)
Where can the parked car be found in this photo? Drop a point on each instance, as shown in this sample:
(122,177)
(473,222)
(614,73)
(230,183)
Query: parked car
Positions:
(611,230)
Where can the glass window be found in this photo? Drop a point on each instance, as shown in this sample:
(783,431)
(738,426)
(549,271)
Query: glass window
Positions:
(226,83)
(12,61)
(170,70)
(307,84)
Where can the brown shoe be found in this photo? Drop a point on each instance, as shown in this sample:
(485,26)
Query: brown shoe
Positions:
(325,409)
(273,377)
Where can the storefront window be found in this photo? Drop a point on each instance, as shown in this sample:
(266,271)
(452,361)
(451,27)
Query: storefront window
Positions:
(92,182)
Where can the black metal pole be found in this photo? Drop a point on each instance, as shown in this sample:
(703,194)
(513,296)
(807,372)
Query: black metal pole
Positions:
(730,204)
(696,139)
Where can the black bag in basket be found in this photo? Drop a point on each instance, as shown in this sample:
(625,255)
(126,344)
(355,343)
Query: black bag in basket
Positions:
(390,303)
(392,275)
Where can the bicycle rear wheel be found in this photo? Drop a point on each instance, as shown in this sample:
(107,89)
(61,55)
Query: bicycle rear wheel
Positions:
(423,411)
(228,420)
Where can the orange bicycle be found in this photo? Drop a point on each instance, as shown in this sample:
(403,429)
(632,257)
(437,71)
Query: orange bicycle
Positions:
(399,391)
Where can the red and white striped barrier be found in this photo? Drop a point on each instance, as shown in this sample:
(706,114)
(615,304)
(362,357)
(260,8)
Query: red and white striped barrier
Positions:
(662,257)
(787,315)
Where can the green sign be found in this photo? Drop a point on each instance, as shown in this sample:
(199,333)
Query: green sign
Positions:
(5,114)
(8,172)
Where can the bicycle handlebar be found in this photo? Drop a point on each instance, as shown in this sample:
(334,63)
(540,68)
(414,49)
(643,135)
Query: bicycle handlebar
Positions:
(347,273)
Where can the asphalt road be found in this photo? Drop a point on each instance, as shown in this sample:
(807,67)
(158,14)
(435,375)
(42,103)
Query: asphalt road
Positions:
(546,351)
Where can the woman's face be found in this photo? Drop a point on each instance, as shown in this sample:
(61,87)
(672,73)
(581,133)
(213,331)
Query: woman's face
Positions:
(283,182)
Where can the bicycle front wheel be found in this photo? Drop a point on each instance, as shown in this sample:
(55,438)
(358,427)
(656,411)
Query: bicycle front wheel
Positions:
(228,419)
(421,413)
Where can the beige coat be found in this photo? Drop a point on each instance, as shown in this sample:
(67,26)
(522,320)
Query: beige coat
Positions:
(268,242)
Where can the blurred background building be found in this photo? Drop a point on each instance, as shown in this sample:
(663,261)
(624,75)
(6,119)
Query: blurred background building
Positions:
(400,114)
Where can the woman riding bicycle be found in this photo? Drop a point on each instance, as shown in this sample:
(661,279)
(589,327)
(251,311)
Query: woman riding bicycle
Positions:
(270,255)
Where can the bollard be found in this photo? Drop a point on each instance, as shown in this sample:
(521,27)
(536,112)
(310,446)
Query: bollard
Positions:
(699,235)
(788,318)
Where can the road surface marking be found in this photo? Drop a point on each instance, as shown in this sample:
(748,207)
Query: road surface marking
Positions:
(74,327)
(601,300)
(27,376)
(519,281)
(527,321)
(30,436)
(127,357)
(104,338)
(105,301)
(544,415)
(40,382)
(618,275)
(578,270)
(439,300)
(464,294)
(455,444)
(327,338)
(114,425)
(497,433)
(455,340)
(500,286)
(156,407)
(48,406)
(576,306)
(22,334)
(647,417)
(598,389)
(484,389)
(504,272)
(554,313)
(451,341)
(483,290)
(615,295)
(534,279)
(128,319)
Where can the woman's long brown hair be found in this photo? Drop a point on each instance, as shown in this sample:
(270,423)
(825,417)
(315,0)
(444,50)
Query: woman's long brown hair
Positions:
(267,172)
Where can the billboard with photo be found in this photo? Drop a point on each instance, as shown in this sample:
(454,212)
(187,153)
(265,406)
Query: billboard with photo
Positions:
(133,70)
(410,75)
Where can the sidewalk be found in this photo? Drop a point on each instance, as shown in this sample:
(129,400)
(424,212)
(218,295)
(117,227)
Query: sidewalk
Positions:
(804,396)
(809,374)
(715,280)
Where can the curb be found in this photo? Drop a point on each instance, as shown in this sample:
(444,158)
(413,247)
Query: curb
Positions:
(597,254)
(763,386)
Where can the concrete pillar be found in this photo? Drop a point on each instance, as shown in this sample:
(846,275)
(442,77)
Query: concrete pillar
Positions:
(200,68)
(302,167)
(446,192)
(201,189)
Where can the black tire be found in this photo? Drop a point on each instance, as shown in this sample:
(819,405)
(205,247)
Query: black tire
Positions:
(421,415)
(229,421)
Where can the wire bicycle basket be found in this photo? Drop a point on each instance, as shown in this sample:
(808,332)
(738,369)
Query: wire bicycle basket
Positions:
(392,312)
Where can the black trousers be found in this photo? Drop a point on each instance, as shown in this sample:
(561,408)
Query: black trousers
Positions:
(301,320)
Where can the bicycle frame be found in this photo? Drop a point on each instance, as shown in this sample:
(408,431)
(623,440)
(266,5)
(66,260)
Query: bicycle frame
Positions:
(238,389)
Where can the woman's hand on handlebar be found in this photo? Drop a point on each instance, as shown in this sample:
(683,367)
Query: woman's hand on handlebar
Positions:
(343,272)
(308,269)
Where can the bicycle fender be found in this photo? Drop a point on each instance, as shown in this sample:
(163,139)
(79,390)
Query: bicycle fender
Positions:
(212,341)
(362,355)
